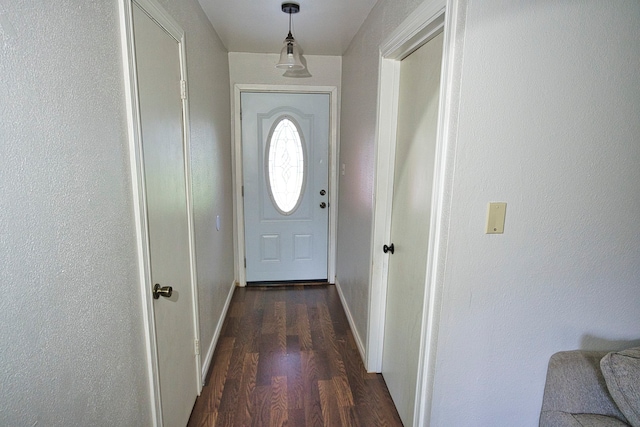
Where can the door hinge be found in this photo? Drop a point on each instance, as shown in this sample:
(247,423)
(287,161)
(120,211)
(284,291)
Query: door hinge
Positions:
(183,89)
(245,262)
(197,346)
(241,114)
(243,191)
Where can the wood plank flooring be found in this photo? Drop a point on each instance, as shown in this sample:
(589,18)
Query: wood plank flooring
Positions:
(286,357)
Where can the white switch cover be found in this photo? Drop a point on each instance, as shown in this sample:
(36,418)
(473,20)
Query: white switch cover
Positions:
(495,218)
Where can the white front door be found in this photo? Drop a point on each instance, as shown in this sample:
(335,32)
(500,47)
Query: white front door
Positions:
(285,151)
(159,77)
(412,191)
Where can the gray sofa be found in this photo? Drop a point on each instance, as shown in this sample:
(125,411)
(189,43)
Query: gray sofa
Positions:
(589,389)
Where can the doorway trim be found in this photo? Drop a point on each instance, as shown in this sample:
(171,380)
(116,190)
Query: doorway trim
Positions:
(429,19)
(172,27)
(238,205)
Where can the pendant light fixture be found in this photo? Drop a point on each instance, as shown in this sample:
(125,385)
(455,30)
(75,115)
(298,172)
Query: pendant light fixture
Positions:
(290,55)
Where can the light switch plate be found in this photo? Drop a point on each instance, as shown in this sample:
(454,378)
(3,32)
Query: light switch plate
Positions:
(495,218)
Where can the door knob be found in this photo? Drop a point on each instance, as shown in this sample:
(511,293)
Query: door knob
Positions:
(323,205)
(386,249)
(164,291)
(322,192)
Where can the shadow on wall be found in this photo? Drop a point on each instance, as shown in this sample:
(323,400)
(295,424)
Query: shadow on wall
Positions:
(592,343)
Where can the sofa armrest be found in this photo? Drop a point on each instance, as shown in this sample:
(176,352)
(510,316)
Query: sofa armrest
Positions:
(575,385)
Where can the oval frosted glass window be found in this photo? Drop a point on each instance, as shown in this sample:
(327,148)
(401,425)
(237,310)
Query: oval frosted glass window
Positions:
(286,168)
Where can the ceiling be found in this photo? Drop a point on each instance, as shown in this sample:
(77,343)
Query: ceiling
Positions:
(322,27)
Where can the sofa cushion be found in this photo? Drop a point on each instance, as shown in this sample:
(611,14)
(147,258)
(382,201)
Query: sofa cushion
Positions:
(621,370)
(575,385)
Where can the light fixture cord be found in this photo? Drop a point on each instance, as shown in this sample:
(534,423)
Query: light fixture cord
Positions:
(290,38)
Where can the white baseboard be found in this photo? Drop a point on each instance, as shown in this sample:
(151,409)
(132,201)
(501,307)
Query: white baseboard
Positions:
(209,356)
(356,335)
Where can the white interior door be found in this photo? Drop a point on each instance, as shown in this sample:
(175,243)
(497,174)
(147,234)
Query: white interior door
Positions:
(159,86)
(412,192)
(285,151)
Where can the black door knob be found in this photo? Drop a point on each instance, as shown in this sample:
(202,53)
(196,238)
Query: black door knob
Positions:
(390,248)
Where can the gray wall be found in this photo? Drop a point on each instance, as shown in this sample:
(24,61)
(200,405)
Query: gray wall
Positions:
(72,348)
(548,122)
(208,74)
(71,329)
(357,133)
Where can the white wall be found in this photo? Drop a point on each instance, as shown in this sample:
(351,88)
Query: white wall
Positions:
(357,133)
(70,317)
(548,123)
(208,75)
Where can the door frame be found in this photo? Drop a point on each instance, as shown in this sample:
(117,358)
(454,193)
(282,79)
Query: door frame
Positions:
(172,27)
(238,205)
(429,19)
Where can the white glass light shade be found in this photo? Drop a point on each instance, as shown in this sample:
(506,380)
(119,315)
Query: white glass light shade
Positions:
(289,56)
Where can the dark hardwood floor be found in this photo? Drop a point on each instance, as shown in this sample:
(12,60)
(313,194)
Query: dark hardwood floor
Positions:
(286,357)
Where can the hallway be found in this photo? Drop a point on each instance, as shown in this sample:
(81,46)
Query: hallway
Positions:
(539,109)
(286,356)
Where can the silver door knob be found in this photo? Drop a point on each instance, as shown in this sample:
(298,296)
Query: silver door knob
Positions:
(323,205)
(164,291)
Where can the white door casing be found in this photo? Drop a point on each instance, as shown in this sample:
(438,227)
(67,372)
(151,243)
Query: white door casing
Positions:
(430,18)
(155,67)
(286,241)
(239,232)
(410,223)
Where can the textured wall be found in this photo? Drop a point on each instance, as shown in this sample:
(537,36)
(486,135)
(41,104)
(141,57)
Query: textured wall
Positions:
(72,341)
(548,123)
(208,77)
(357,133)
(72,345)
